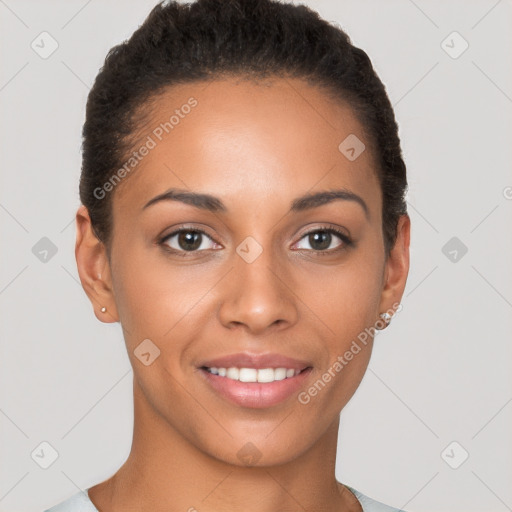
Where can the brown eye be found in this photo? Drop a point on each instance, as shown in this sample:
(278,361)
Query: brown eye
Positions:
(321,240)
(187,240)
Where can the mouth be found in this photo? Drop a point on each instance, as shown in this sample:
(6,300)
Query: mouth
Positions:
(255,380)
(261,375)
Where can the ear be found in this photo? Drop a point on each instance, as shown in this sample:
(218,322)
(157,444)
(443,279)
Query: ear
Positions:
(94,268)
(396,268)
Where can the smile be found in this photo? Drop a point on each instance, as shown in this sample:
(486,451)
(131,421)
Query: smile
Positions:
(253,374)
(255,388)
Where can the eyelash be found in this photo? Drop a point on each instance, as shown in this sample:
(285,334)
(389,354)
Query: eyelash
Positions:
(347,242)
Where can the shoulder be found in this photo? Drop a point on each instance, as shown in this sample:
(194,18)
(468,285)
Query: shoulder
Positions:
(79,502)
(370,505)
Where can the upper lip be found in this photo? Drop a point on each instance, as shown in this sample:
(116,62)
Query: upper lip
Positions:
(257,361)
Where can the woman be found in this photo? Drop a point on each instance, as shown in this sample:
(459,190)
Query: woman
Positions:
(244,220)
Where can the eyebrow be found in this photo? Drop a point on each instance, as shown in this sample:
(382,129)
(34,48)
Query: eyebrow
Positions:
(214,204)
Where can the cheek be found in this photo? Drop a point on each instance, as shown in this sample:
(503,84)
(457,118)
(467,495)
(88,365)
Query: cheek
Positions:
(346,311)
(346,298)
(345,302)
(151,294)
(164,302)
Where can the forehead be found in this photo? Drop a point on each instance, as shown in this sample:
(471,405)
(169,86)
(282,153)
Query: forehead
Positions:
(247,141)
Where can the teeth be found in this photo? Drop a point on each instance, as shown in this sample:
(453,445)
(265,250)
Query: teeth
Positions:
(233,373)
(266,375)
(253,374)
(280,373)
(247,375)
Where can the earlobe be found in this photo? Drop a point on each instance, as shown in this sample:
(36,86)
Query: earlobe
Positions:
(396,268)
(94,268)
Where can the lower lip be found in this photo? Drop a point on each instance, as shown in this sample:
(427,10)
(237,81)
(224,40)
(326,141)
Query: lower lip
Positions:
(257,395)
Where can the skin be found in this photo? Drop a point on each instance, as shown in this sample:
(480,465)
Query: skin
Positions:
(257,147)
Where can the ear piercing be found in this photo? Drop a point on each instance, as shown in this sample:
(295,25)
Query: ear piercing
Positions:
(386,317)
(103,309)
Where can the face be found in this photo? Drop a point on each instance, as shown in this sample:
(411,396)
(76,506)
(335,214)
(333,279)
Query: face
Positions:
(265,270)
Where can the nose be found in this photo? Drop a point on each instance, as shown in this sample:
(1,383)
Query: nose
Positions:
(258,295)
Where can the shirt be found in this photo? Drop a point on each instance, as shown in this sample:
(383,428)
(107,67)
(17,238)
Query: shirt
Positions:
(80,502)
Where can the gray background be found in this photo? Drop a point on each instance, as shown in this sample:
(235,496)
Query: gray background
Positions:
(441,373)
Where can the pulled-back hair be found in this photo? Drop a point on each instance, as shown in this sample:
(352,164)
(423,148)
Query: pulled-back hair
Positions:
(208,39)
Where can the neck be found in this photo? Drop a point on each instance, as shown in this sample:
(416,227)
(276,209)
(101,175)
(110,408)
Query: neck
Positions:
(165,472)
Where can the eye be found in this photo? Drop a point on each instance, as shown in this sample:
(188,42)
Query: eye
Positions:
(321,240)
(187,240)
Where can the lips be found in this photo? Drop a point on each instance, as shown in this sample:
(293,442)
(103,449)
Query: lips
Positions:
(261,394)
(257,361)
